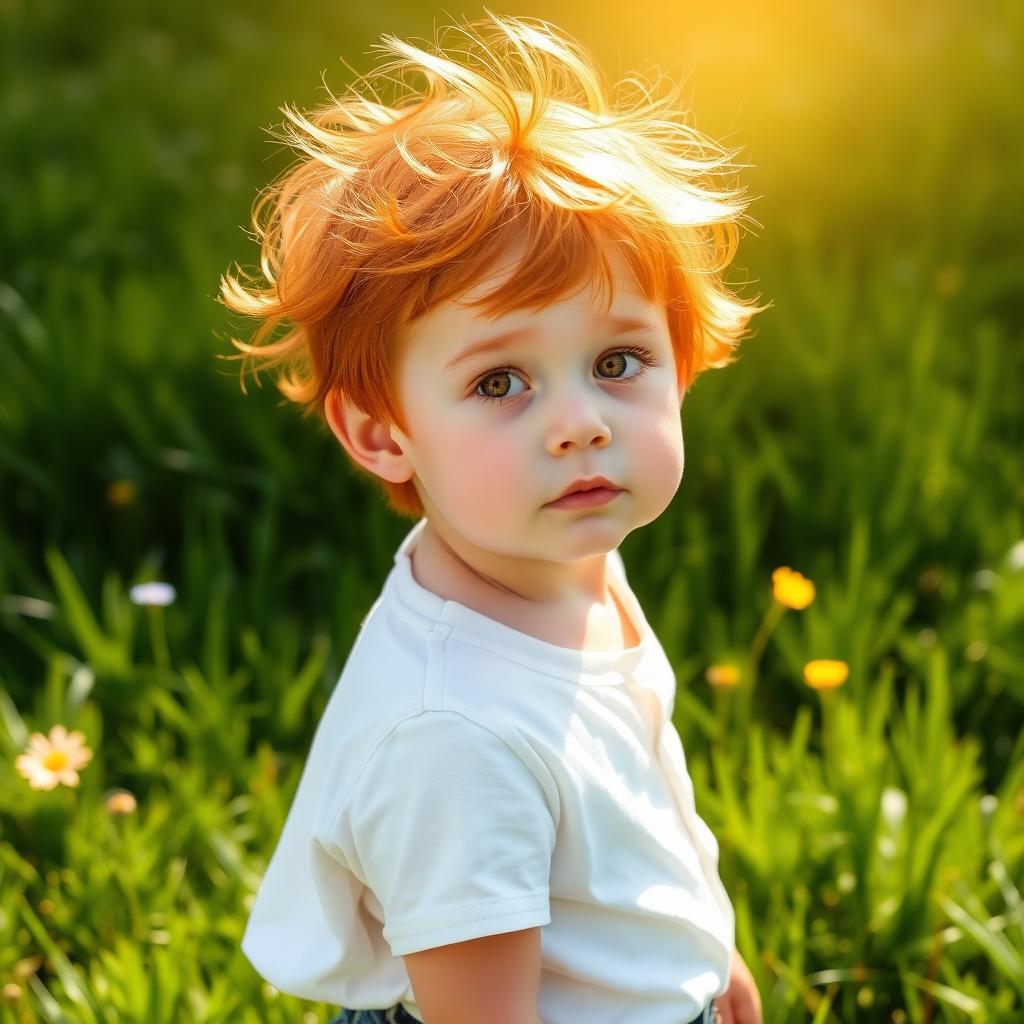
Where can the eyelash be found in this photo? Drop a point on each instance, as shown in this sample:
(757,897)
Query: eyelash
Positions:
(645,357)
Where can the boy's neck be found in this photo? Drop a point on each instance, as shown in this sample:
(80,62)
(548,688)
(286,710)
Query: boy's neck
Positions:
(465,563)
(582,623)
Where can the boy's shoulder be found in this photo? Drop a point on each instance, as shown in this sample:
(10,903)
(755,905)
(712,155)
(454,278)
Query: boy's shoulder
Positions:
(416,700)
(404,665)
(410,658)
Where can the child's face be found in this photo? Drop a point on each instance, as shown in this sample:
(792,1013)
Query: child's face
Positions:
(574,408)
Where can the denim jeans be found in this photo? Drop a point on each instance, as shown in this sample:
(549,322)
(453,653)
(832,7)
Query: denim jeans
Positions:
(399,1015)
(396,1015)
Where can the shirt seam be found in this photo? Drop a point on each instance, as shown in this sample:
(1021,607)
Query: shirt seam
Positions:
(331,828)
(538,900)
(406,713)
(459,636)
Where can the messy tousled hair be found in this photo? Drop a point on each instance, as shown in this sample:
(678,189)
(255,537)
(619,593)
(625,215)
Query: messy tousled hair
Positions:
(395,208)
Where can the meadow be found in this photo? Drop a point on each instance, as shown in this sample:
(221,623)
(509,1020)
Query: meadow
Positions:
(839,582)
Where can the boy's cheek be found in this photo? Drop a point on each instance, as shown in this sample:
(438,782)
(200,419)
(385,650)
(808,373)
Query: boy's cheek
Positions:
(665,462)
(484,481)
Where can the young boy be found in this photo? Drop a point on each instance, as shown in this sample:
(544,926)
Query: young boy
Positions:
(500,291)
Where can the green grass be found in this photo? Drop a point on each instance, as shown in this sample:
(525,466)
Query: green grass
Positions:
(870,437)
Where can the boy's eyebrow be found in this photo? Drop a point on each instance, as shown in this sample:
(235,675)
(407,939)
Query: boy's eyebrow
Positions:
(617,323)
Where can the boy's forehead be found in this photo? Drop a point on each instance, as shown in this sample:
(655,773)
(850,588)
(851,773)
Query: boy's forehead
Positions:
(509,262)
(453,323)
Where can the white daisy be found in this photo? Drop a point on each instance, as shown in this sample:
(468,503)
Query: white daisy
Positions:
(53,760)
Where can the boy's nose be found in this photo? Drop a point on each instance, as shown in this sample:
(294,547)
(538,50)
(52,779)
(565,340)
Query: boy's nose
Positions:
(578,422)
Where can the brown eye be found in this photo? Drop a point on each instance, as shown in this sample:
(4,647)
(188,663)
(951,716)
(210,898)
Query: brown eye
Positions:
(610,363)
(491,386)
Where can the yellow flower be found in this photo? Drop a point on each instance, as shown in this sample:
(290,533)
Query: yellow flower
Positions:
(722,675)
(54,759)
(121,802)
(792,589)
(826,675)
(121,493)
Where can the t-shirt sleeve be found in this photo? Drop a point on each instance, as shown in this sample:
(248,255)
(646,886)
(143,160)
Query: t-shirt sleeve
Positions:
(452,831)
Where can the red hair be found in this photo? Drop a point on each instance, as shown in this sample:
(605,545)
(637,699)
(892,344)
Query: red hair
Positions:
(395,209)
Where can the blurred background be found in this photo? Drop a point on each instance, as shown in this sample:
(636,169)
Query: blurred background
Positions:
(869,437)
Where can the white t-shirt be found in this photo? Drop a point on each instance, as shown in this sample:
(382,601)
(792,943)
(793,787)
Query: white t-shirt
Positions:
(468,779)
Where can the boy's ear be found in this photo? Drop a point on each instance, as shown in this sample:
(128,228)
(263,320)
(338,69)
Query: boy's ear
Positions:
(368,441)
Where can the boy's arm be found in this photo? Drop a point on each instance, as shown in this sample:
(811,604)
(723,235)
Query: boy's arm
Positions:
(495,978)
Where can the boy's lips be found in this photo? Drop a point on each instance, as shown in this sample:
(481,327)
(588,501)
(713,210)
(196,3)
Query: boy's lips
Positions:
(592,498)
(588,484)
